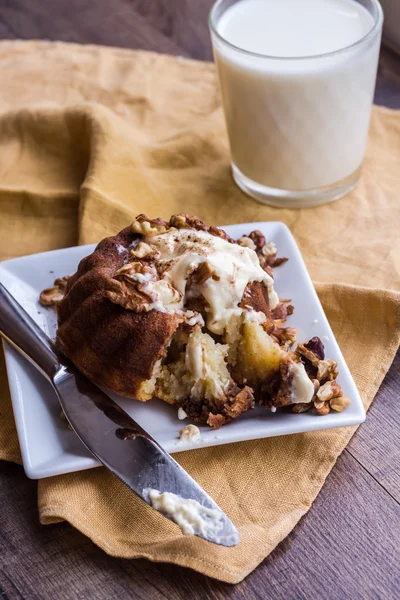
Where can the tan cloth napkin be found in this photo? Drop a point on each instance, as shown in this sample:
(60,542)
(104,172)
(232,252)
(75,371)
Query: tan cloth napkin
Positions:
(91,136)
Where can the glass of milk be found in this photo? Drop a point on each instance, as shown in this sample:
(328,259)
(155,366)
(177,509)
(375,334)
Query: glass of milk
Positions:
(297,79)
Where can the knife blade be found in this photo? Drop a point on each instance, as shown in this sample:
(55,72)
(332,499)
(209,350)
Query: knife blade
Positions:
(113,437)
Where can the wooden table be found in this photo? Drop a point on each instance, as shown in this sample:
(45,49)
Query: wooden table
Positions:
(348,545)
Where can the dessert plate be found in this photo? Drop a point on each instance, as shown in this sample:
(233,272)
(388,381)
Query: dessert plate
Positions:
(49,448)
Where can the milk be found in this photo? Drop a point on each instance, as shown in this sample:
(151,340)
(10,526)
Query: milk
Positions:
(297,103)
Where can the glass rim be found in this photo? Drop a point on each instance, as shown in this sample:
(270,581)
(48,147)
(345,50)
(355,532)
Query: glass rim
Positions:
(371,33)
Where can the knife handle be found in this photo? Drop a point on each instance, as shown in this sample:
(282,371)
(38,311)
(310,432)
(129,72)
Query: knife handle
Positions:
(21,331)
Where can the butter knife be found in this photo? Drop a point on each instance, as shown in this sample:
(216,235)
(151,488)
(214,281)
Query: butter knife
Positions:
(113,437)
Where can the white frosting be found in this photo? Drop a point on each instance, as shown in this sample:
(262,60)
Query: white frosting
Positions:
(188,514)
(182,251)
(302,388)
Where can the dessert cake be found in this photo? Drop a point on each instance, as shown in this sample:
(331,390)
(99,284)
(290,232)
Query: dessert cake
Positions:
(180,311)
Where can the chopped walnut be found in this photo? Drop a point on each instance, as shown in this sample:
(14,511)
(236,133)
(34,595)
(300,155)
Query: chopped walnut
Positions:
(53,295)
(178,221)
(301,350)
(127,294)
(183,221)
(269,249)
(148,227)
(125,288)
(264,265)
(132,268)
(246,242)
(284,336)
(326,369)
(322,408)
(329,390)
(282,311)
(258,239)
(215,231)
(276,262)
(142,250)
(340,403)
(267,252)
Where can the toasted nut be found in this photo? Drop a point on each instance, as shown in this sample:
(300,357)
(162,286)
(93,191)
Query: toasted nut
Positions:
(142,250)
(270,249)
(51,296)
(284,336)
(318,403)
(148,227)
(330,389)
(187,221)
(246,242)
(178,221)
(54,294)
(301,407)
(340,403)
(303,351)
(216,232)
(61,282)
(326,368)
(316,385)
(132,268)
(258,239)
(322,408)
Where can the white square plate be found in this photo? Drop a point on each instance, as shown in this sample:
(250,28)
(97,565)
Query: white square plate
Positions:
(49,448)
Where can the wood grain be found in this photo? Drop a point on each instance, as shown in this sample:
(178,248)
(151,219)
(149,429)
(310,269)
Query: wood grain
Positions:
(376,445)
(340,549)
(347,546)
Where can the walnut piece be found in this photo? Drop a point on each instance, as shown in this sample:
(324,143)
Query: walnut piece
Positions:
(142,250)
(53,295)
(246,242)
(329,390)
(184,221)
(132,268)
(284,336)
(269,249)
(301,350)
(322,408)
(340,403)
(148,227)
(326,369)
(258,239)
(127,294)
